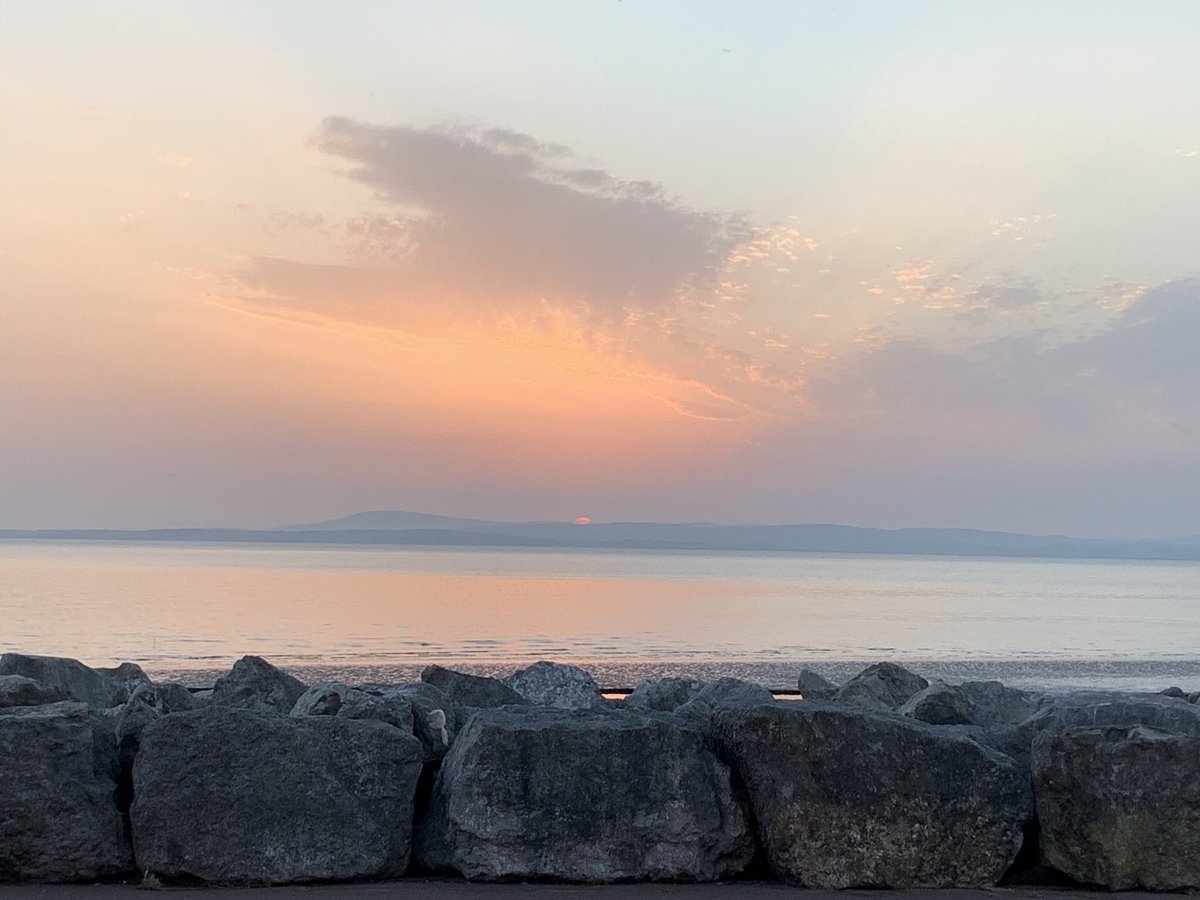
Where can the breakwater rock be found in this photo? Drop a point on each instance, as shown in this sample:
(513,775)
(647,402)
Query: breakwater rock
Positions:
(1120,806)
(58,817)
(887,782)
(233,795)
(846,798)
(645,798)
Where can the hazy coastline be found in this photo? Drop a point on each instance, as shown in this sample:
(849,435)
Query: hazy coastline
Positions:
(402,528)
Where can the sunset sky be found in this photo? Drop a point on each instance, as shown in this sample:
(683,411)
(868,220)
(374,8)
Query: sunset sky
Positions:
(873,263)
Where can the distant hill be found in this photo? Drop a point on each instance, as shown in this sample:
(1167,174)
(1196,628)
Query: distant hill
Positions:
(386,520)
(401,528)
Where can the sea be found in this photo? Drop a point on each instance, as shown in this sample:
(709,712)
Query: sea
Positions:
(187,611)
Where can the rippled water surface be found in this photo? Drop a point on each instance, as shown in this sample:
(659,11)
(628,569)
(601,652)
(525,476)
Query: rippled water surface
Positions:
(381,612)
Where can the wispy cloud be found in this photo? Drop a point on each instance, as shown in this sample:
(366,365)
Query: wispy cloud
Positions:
(495,230)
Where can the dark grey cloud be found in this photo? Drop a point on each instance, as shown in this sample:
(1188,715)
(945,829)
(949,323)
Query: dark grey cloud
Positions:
(1012,293)
(1155,342)
(1143,371)
(1094,436)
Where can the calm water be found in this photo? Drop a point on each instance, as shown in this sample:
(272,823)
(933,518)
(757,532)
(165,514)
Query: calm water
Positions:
(381,612)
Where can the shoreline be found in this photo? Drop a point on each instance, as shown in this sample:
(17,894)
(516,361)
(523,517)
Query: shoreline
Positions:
(1129,675)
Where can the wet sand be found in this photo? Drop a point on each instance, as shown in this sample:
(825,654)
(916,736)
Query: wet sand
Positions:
(448,889)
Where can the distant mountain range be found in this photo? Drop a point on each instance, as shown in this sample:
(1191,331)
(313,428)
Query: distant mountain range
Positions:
(395,527)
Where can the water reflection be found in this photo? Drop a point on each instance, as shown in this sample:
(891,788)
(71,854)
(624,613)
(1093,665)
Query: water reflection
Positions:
(200,606)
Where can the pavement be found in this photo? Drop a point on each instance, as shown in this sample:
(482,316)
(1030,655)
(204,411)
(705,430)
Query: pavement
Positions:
(451,889)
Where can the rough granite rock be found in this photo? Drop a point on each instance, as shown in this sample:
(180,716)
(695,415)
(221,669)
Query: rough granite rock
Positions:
(255,684)
(850,797)
(231,795)
(724,692)
(202,697)
(663,694)
(1176,692)
(325,698)
(583,796)
(1011,723)
(475,691)
(940,704)
(881,686)
(993,703)
(148,702)
(435,720)
(17,690)
(814,686)
(58,818)
(560,686)
(1120,807)
(335,699)
(98,688)
(1095,709)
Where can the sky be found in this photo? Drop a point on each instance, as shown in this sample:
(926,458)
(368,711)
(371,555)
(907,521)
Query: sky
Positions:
(923,264)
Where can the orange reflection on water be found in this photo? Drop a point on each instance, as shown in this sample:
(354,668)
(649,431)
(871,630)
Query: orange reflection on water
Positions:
(113,606)
(202,606)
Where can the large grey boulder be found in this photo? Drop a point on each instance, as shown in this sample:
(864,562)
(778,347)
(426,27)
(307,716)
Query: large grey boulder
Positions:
(663,694)
(150,701)
(98,688)
(1009,720)
(255,684)
(17,690)
(231,795)
(1120,807)
(58,817)
(848,797)
(994,703)
(940,704)
(147,703)
(881,686)
(1096,709)
(325,698)
(719,694)
(583,796)
(475,691)
(815,686)
(335,699)
(1089,709)
(435,719)
(557,685)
